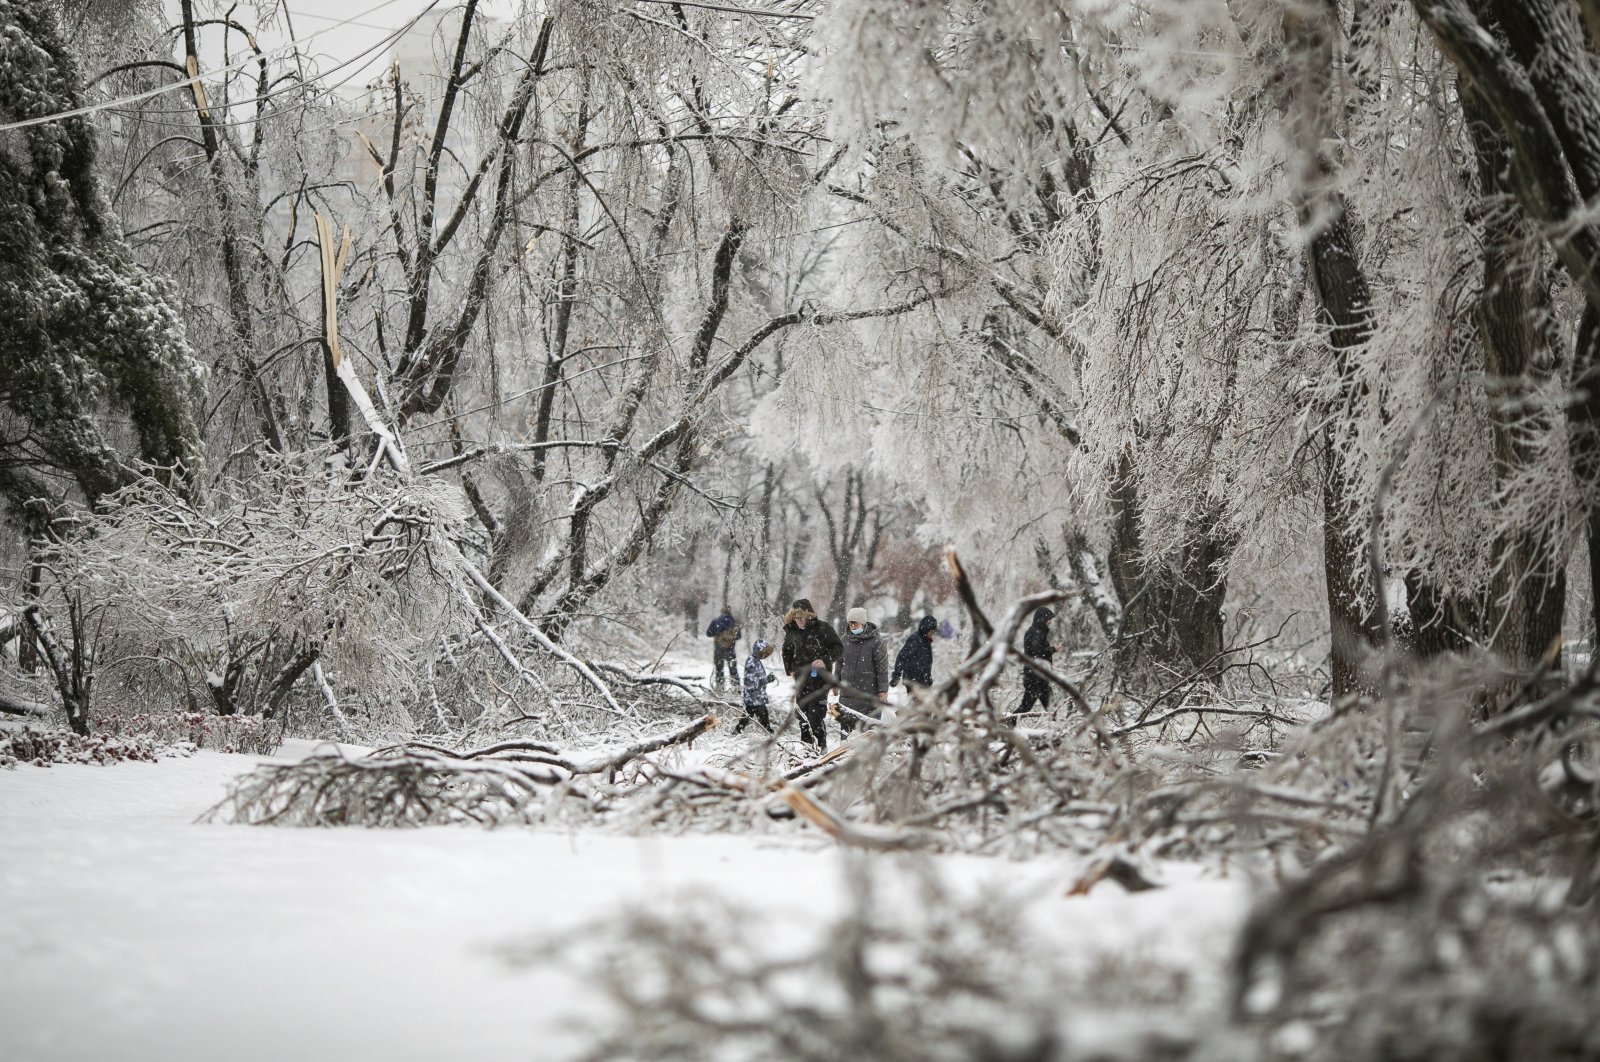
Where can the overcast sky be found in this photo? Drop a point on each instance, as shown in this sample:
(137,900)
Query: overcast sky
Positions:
(336,31)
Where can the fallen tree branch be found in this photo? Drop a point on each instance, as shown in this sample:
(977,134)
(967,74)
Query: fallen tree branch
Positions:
(540,637)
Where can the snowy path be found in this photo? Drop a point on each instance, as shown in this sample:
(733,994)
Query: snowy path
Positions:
(130,932)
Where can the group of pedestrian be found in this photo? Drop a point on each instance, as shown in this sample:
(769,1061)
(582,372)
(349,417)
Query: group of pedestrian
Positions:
(818,659)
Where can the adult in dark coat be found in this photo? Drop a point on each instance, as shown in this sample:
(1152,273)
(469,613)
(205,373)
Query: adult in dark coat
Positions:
(914,664)
(724,635)
(863,669)
(811,648)
(1037,644)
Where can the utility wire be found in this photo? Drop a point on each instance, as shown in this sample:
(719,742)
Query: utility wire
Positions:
(292,46)
(331,18)
(753,11)
(356,60)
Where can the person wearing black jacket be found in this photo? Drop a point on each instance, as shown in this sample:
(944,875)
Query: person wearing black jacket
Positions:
(811,648)
(1037,644)
(914,663)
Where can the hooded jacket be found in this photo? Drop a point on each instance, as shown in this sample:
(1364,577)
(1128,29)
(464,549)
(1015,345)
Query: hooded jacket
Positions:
(865,668)
(819,641)
(756,677)
(725,630)
(1036,643)
(915,660)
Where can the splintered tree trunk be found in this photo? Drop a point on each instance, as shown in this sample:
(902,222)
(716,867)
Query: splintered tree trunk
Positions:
(1171,607)
(338,402)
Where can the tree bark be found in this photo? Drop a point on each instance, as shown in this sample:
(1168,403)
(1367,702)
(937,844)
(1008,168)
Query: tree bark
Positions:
(1171,616)
(1532,68)
(1527,598)
(1344,308)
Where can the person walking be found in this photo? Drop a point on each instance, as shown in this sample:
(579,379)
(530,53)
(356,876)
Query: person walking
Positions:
(724,635)
(756,681)
(1037,644)
(863,671)
(914,663)
(811,648)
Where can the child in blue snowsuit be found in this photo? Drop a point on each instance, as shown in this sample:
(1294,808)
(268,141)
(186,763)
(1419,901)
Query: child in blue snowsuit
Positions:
(756,681)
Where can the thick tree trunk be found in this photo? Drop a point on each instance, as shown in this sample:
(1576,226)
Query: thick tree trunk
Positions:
(1535,71)
(1344,308)
(1353,636)
(1528,596)
(1171,617)
(1438,625)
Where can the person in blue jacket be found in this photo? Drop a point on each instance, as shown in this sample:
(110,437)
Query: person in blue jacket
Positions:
(724,635)
(914,664)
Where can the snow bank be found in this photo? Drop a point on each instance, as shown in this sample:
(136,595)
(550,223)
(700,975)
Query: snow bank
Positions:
(131,932)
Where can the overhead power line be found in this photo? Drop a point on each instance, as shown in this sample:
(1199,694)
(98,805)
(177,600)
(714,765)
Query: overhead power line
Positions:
(358,61)
(78,112)
(755,12)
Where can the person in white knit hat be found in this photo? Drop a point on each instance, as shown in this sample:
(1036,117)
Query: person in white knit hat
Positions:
(863,671)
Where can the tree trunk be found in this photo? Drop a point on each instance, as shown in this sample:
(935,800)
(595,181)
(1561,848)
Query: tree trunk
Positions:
(1584,419)
(789,578)
(1528,596)
(240,302)
(1437,623)
(1086,570)
(844,536)
(1535,72)
(1344,308)
(1171,618)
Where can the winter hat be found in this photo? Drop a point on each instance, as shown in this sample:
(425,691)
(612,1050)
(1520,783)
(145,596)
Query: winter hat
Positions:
(762,648)
(1044,615)
(803,603)
(857,615)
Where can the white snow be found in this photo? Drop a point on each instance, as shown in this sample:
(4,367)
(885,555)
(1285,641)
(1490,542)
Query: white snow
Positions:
(131,932)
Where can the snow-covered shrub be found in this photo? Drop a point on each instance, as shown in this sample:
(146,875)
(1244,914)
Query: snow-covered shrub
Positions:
(247,734)
(304,587)
(43,746)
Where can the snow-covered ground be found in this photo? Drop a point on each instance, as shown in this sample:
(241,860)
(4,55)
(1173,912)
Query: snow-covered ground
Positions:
(131,932)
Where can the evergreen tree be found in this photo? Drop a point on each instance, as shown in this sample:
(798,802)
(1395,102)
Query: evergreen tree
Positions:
(83,328)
